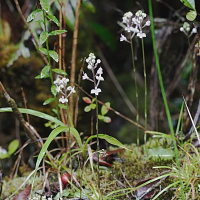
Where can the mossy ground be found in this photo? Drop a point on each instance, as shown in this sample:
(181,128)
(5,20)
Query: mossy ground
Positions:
(136,165)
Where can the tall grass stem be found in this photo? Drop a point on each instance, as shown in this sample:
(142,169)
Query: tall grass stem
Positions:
(164,95)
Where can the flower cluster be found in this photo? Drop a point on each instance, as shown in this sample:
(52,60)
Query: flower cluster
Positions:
(92,65)
(186,29)
(61,87)
(134,25)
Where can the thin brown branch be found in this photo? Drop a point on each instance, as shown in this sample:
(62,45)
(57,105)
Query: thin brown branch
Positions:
(74,51)
(78,94)
(30,131)
(116,112)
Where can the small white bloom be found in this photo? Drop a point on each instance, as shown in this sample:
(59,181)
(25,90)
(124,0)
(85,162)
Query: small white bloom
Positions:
(65,81)
(72,89)
(100,70)
(144,15)
(98,61)
(136,21)
(125,20)
(181,29)
(147,23)
(89,67)
(187,29)
(123,38)
(57,81)
(95,91)
(85,76)
(131,29)
(194,30)
(58,89)
(63,100)
(100,78)
(141,35)
(69,88)
(128,14)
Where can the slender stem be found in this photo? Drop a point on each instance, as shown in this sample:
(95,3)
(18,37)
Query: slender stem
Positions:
(145,91)
(163,94)
(136,92)
(49,60)
(97,131)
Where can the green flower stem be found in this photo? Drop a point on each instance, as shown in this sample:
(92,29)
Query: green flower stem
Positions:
(145,91)
(163,94)
(136,92)
(49,60)
(97,130)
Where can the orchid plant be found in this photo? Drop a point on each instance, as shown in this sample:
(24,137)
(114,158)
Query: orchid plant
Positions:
(134,25)
(96,78)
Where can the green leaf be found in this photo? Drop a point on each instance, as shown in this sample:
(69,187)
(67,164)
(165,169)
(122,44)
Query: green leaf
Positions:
(33,14)
(45,71)
(57,32)
(13,146)
(48,101)
(105,108)
(191,16)
(189,3)
(3,156)
(54,19)
(43,37)
(62,106)
(161,153)
(60,71)
(93,106)
(54,55)
(45,5)
(105,34)
(88,4)
(107,119)
(100,117)
(108,138)
(112,140)
(65,193)
(40,77)
(87,109)
(50,138)
(53,90)
(73,131)
(93,100)
(44,51)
